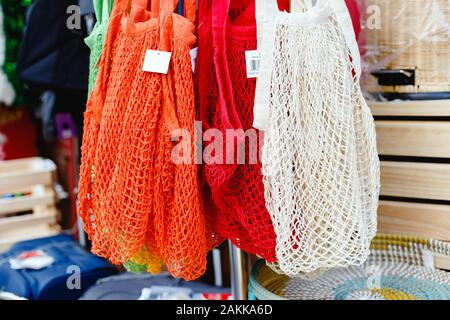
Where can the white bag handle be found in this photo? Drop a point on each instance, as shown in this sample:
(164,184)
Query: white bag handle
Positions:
(266,12)
(266,29)
(346,24)
(309,3)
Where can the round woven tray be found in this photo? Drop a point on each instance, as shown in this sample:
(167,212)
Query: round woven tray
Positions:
(396,270)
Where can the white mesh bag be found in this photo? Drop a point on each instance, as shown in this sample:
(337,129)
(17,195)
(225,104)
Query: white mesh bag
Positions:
(320,162)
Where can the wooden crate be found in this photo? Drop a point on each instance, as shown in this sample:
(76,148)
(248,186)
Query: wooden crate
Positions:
(421,189)
(429,139)
(33,215)
(420,220)
(432,108)
(429,181)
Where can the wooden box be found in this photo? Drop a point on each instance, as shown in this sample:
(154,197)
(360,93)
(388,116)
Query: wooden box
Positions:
(27,200)
(414,146)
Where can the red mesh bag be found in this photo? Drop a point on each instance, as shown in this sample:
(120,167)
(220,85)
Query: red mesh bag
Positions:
(235,191)
(226,98)
(208,97)
(132,196)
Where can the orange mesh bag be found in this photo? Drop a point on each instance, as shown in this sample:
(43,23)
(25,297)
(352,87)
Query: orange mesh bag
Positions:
(130,107)
(180,213)
(92,117)
(143,205)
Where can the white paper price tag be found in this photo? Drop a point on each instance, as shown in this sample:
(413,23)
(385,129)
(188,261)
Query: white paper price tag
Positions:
(253,62)
(157,61)
(194,53)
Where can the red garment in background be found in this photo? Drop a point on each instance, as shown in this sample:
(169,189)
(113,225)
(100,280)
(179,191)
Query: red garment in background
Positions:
(18,138)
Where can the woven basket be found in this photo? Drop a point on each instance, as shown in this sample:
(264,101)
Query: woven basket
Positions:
(414,35)
(398,269)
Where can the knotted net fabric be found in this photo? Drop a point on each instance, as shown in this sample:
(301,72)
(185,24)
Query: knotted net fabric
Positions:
(135,201)
(92,119)
(320,162)
(236,186)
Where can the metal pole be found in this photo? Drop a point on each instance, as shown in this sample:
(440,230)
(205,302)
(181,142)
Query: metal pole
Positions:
(240,271)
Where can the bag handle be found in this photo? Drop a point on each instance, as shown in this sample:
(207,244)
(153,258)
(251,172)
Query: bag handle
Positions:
(97,10)
(166,9)
(345,22)
(168,97)
(190,10)
(102,11)
(220,22)
(266,41)
(309,3)
(106,10)
(204,65)
(302,5)
(137,9)
(266,28)
(164,6)
(189,7)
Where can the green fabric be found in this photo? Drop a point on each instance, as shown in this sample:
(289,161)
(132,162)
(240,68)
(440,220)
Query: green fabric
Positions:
(134,267)
(96,39)
(14,23)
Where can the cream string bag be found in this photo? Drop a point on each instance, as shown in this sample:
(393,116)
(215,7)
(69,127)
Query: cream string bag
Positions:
(320,162)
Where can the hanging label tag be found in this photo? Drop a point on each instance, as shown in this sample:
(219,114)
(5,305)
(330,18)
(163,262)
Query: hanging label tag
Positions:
(194,53)
(157,61)
(253,62)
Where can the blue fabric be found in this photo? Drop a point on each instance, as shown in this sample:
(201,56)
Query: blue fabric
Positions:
(181,8)
(51,283)
(86,7)
(128,286)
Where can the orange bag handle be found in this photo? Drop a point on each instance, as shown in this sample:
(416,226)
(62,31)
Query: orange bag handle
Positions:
(166,9)
(190,10)
(138,9)
(190,7)
(164,6)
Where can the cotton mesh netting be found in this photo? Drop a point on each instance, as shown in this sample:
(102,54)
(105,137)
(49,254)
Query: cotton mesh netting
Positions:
(137,204)
(319,159)
(320,163)
(236,190)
